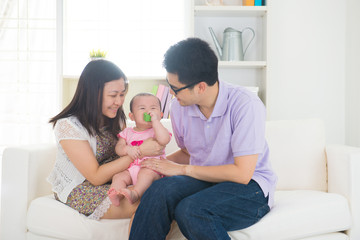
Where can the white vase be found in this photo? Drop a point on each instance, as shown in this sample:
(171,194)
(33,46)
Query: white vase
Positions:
(96,58)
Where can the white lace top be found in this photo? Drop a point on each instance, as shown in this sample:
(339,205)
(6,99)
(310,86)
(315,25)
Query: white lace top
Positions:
(65,177)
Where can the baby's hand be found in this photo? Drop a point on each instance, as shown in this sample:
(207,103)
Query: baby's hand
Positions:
(134,152)
(154,116)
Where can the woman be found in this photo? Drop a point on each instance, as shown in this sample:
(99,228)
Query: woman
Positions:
(85,134)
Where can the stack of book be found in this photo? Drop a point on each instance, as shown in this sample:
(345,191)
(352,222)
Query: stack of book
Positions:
(254,2)
(163,93)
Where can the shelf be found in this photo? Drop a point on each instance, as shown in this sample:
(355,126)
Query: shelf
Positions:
(254,71)
(230,11)
(242,64)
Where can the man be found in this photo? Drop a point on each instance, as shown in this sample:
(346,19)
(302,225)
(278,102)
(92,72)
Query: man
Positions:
(221,179)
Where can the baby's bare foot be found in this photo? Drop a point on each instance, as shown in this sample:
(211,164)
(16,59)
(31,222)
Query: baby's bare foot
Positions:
(131,195)
(115,197)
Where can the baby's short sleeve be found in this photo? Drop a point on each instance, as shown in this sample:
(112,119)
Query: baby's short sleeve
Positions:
(124,133)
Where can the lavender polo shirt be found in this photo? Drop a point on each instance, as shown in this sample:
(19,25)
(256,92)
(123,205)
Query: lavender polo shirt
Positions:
(235,128)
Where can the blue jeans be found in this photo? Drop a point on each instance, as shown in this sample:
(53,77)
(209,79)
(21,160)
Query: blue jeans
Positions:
(203,210)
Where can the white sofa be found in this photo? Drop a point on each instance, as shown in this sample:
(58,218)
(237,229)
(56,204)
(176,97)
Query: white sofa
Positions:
(318,192)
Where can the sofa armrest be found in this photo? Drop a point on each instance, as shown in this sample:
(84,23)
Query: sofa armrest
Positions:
(24,172)
(344,179)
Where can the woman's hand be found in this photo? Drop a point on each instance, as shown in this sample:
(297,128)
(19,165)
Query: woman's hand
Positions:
(164,166)
(151,147)
(134,152)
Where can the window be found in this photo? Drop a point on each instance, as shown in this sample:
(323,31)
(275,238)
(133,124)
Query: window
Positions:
(28,94)
(135,34)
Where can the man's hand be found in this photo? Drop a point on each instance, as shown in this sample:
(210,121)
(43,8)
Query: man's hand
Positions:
(164,166)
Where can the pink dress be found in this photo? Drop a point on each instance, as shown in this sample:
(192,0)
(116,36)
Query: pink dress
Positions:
(134,138)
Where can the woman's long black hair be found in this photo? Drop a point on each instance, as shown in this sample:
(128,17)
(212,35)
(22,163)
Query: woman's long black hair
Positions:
(86,104)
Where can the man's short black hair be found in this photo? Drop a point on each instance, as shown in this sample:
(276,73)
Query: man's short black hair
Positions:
(193,61)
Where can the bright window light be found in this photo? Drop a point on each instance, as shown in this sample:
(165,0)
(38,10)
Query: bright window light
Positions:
(135,34)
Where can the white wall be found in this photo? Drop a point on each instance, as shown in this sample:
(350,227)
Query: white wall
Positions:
(313,65)
(353,73)
(306,63)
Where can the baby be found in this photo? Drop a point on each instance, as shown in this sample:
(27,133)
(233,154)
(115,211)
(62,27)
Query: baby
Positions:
(141,106)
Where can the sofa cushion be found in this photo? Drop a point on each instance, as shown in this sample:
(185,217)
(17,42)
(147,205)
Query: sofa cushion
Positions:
(296,214)
(51,218)
(327,236)
(299,214)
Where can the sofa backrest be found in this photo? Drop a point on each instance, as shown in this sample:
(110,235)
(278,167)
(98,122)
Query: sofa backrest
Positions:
(297,153)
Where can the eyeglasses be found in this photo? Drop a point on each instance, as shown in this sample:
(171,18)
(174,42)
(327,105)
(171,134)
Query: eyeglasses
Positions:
(179,89)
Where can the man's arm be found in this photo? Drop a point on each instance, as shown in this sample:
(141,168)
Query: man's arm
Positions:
(181,156)
(241,171)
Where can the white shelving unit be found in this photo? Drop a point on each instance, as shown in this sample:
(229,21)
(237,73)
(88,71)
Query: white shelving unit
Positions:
(230,11)
(253,70)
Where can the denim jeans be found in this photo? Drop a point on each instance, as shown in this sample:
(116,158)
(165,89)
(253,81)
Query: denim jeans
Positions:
(203,210)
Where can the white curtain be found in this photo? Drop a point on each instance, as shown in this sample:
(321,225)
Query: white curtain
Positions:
(28,94)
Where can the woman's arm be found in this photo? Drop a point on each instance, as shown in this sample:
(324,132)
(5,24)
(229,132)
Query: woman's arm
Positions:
(120,147)
(81,155)
(150,147)
(123,149)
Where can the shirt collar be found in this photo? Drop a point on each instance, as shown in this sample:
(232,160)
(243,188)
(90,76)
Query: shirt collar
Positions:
(220,105)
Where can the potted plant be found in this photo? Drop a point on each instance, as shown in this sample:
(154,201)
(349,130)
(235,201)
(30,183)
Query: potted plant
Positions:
(97,54)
